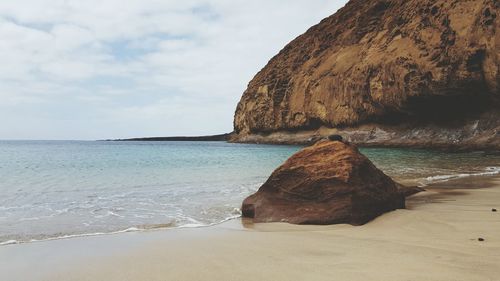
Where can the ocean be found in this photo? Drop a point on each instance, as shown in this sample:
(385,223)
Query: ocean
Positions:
(61,189)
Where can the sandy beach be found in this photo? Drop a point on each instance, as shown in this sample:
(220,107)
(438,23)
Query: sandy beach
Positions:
(436,238)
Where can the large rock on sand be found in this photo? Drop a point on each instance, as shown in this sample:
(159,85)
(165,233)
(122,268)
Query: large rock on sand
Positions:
(327,183)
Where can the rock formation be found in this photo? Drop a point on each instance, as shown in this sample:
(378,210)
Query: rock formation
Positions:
(329,182)
(394,65)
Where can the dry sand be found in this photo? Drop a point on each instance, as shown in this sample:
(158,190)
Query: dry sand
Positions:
(436,238)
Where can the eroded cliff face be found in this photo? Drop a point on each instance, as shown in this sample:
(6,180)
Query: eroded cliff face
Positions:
(390,62)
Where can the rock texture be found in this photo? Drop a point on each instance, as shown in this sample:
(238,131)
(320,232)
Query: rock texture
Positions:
(476,134)
(428,63)
(329,182)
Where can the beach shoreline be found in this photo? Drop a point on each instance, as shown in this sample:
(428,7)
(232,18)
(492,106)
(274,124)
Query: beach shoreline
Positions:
(435,238)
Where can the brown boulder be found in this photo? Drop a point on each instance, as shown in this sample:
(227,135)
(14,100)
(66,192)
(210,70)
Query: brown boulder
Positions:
(327,183)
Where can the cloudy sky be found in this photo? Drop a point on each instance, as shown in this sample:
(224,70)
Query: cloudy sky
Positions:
(96,69)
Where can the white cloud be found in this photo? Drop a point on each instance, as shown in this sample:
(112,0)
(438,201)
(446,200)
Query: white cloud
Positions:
(108,69)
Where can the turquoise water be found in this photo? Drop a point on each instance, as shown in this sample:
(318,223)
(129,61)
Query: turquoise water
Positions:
(63,188)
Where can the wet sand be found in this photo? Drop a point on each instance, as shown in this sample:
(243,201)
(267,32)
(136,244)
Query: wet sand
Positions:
(436,238)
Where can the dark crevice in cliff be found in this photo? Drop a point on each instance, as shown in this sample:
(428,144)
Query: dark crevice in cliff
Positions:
(444,111)
(315,123)
(440,110)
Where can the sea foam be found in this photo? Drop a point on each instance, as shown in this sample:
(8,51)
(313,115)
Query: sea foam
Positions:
(489,171)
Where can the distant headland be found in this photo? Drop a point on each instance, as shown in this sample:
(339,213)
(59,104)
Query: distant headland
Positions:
(221,137)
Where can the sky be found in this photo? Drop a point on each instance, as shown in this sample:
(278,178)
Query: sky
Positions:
(101,69)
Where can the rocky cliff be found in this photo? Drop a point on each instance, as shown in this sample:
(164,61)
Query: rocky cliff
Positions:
(400,70)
